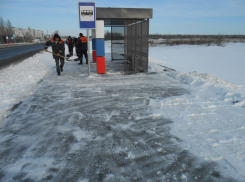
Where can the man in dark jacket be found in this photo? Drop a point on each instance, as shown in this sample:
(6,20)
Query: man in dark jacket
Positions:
(58,48)
(82,48)
(75,42)
(70,45)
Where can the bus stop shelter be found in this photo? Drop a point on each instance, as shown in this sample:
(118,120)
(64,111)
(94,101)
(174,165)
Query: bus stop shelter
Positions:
(129,35)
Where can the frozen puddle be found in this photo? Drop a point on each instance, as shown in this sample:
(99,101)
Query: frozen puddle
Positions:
(97,128)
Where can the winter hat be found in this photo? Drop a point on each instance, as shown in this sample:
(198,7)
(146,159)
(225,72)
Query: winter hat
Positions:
(80,34)
(56,36)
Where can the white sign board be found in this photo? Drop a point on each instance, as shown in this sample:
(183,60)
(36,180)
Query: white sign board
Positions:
(87,15)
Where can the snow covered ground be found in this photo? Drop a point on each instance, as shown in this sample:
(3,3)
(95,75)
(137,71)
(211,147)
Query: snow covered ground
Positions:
(227,63)
(209,118)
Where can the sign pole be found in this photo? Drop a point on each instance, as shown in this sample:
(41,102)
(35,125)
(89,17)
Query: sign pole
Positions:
(87,20)
(88,52)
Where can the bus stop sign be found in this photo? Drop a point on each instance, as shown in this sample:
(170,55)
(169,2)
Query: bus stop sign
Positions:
(87,15)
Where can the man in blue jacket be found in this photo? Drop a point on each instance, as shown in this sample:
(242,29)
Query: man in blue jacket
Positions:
(58,48)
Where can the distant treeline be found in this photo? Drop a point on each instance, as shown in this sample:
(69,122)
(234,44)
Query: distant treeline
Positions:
(113,36)
(179,39)
(180,36)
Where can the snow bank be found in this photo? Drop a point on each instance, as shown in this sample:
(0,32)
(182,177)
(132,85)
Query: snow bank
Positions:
(18,81)
(210,119)
(205,81)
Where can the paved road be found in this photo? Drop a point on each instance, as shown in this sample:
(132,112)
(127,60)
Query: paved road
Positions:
(99,128)
(2,46)
(13,51)
(13,55)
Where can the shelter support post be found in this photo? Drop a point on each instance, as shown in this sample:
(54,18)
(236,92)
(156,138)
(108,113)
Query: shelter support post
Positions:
(88,52)
(93,45)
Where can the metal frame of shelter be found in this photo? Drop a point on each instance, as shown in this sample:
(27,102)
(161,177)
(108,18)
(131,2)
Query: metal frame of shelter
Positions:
(129,35)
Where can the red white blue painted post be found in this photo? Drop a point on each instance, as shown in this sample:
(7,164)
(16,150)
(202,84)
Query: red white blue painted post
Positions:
(100,47)
(7,39)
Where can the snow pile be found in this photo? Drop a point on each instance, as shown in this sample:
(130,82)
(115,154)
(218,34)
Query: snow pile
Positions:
(18,81)
(72,58)
(210,119)
(204,81)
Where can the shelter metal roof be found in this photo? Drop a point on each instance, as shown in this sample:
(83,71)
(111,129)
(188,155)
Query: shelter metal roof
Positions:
(117,16)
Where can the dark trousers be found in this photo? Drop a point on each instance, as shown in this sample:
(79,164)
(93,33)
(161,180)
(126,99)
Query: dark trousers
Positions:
(83,52)
(62,62)
(71,51)
(80,56)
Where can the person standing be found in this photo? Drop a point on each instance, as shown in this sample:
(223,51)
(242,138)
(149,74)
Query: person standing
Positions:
(70,45)
(82,48)
(76,48)
(58,48)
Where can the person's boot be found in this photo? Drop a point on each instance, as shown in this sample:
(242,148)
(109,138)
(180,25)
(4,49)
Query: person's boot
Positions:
(58,71)
(61,68)
(87,61)
(81,61)
(77,58)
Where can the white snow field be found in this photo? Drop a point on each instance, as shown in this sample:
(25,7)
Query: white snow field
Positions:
(226,62)
(198,108)
(211,119)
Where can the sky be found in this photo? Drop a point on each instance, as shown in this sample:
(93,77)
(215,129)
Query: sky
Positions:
(169,17)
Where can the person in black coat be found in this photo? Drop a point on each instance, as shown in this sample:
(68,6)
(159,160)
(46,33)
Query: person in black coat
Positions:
(70,45)
(76,48)
(58,48)
(82,48)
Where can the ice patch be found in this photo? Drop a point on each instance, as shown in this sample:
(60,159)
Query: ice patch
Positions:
(83,180)
(213,131)
(82,135)
(212,106)
(130,156)
(184,177)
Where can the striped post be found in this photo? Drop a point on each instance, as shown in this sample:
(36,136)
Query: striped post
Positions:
(7,39)
(93,45)
(100,46)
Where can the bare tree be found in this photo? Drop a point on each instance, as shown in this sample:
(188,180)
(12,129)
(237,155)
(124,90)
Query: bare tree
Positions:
(56,32)
(46,37)
(28,36)
(107,35)
(2,27)
(8,28)
(18,39)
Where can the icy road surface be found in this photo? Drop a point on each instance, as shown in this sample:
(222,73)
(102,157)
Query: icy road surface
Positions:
(98,128)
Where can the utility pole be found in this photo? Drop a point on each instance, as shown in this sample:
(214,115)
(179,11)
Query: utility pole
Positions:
(47,35)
